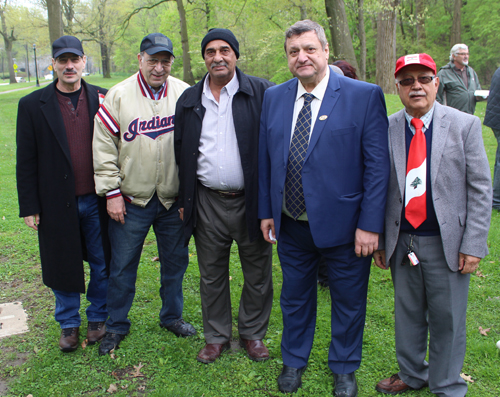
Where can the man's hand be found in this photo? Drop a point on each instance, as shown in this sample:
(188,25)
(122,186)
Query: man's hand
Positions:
(116,209)
(32,221)
(181,213)
(467,263)
(267,225)
(364,242)
(379,259)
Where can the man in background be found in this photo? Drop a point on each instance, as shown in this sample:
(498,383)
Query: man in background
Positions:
(458,81)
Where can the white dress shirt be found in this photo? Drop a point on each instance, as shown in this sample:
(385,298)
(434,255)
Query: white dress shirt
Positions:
(219,162)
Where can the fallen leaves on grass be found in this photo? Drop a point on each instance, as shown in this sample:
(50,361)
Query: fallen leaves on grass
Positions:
(483,331)
(112,354)
(115,375)
(479,274)
(112,388)
(137,372)
(467,378)
(155,259)
(85,343)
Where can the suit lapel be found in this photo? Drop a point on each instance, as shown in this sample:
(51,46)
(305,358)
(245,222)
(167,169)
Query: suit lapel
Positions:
(52,113)
(440,128)
(288,104)
(398,147)
(330,98)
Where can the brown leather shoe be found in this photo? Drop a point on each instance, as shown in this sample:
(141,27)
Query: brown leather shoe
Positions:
(95,331)
(256,350)
(212,352)
(393,385)
(68,342)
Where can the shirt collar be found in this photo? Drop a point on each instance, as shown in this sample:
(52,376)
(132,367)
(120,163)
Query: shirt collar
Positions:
(318,91)
(426,119)
(232,87)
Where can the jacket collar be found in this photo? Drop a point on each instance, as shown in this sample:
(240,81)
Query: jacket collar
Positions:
(193,94)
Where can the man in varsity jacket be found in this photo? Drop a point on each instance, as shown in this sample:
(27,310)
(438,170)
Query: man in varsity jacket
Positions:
(135,169)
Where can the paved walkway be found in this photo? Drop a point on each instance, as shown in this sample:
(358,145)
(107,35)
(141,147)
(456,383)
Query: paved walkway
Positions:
(25,88)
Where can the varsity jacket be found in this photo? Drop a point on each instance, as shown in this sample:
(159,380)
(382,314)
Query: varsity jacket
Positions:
(134,142)
(452,91)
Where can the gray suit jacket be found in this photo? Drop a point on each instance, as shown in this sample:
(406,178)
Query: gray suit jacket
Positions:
(460,180)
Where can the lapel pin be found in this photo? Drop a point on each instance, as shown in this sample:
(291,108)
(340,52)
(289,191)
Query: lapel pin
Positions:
(324,117)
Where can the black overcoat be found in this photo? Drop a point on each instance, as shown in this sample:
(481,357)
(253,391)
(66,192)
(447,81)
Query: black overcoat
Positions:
(46,186)
(247,105)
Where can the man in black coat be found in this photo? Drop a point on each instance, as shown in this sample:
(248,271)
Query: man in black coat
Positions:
(492,120)
(55,184)
(216,143)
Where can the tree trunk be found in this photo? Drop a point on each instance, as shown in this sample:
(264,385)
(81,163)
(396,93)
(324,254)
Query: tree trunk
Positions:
(362,39)
(8,40)
(339,29)
(55,19)
(186,57)
(455,37)
(68,7)
(386,46)
(420,19)
(105,60)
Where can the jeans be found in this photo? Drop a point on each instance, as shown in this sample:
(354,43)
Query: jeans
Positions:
(496,174)
(68,303)
(127,241)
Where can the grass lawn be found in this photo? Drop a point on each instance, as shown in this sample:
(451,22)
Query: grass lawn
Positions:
(153,362)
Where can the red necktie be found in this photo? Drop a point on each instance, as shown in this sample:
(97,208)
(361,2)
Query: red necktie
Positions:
(416,172)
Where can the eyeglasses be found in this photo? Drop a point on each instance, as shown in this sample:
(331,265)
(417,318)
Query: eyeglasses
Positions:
(421,80)
(164,62)
(464,54)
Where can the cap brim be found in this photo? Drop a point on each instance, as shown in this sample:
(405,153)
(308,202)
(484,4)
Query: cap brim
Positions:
(156,50)
(67,50)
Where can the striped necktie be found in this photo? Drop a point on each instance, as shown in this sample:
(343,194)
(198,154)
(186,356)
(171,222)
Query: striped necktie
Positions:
(294,194)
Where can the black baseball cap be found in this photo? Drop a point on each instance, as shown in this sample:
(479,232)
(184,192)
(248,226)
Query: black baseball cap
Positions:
(66,44)
(157,42)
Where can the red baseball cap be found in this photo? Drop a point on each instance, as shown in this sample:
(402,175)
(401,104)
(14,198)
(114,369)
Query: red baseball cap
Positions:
(415,59)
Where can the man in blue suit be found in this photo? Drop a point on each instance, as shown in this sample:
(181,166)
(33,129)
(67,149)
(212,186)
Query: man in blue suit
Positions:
(323,175)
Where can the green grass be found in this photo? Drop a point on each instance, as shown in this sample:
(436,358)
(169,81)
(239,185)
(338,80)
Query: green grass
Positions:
(169,365)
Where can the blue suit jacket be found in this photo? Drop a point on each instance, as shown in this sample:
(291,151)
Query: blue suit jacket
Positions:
(346,168)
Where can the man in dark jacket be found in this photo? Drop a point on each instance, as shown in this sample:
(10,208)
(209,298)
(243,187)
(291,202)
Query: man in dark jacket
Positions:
(458,81)
(492,120)
(55,184)
(216,144)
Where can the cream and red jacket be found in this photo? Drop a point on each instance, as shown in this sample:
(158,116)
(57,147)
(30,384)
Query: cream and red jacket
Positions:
(133,144)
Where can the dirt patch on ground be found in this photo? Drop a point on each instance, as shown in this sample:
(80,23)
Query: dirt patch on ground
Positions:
(10,357)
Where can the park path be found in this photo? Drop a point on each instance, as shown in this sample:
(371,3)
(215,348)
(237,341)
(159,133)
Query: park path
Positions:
(25,88)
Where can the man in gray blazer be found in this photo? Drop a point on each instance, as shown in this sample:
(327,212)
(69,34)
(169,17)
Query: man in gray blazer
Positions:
(436,228)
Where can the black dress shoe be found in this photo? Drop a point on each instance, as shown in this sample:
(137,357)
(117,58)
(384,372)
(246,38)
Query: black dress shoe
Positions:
(110,342)
(180,328)
(290,379)
(345,385)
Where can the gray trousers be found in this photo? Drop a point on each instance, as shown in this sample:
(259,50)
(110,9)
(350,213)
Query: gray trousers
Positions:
(431,300)
(220,222)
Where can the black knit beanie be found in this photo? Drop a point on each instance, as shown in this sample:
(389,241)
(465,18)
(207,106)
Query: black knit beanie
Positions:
(221,34)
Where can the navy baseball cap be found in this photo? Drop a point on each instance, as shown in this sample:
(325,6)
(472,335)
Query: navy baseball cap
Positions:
(66,44)
(157,42)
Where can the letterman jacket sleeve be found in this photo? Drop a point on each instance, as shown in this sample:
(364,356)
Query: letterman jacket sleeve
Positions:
(106,147)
